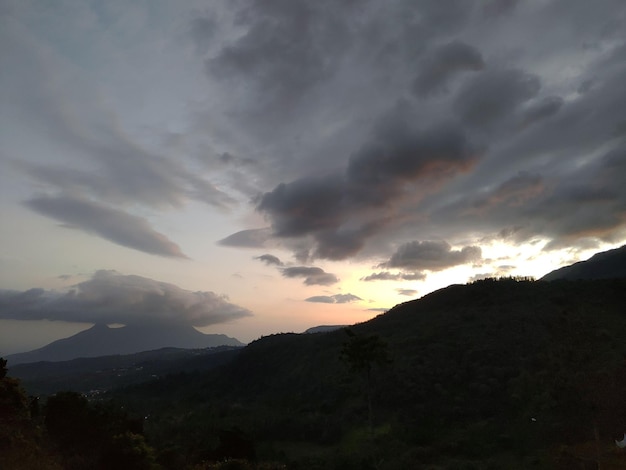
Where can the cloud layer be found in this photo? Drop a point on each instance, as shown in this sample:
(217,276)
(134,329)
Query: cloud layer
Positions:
(312,275)
(112,224)
(334,299)
(110,297)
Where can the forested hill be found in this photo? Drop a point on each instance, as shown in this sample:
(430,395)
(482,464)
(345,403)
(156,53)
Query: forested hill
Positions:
(517,374)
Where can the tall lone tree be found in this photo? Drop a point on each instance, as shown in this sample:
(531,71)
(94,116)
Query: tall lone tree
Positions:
(361,353)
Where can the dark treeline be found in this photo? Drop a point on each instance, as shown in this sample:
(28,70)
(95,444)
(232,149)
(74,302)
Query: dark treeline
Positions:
(510,373)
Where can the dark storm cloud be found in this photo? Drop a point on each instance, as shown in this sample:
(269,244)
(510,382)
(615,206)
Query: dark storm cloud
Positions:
(288,47)
(114,225)
(388,276)
(342,211)
(400,155)
(110,297)
(443,63)
(432,255)
(494,95)
(305,205)
(545,108)
(334,299)
(202,32)
(270,260)
(312,275)
(499,7)
(514,192)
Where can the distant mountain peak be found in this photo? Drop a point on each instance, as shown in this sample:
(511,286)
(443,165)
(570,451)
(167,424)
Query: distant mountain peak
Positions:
(102,340)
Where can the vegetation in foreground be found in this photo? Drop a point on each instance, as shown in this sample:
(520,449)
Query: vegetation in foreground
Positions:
(496,374)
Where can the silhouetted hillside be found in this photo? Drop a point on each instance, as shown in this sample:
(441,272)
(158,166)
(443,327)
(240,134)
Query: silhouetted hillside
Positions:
(496,374)
(606,265)
(100,340)
(98,374)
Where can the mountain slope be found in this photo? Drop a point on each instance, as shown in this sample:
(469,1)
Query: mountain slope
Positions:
(496,369)
(606,265)
(100,340)
(94,375)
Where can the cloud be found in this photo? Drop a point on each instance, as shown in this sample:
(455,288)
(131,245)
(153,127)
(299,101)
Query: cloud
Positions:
(202,31)
(312,275)
(342,211)
(369,124)
(431,255)
(494,94)
(334,299)
(286,49)
(270,259)
(516,191)
(388,276)
(114,225)
(110,297)
(444,62)
(251,238)
(543,109)
(407,292)
(499,7)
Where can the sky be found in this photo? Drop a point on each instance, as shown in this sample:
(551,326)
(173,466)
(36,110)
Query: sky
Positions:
(253,167)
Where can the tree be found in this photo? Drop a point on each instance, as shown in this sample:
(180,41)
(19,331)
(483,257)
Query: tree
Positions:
(361,353)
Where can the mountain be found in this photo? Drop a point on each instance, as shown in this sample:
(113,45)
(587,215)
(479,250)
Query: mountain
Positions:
(509,373)
(101,340)
(605,265)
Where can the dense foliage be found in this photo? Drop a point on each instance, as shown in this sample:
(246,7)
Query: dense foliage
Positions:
(506,373)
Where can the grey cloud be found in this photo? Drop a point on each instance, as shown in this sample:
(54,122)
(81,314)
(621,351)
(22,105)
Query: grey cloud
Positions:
(388,276)
(443,63)
(545,108)
(252,238)
(401,154)
(516,191)
(305,205)
(312,275)
(270,259)
(345,242)
(114,225)
(202,31)
(407,292)
(431,255)
(499,7)
(286,49)
(342,211)
(494,94)
(102,158)
(126,172)
(110,297)
(334,299)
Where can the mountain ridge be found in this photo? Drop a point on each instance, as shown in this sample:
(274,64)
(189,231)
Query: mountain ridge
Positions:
(102,340)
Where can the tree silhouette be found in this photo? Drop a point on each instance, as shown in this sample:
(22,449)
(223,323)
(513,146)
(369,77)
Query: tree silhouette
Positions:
(361,353)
